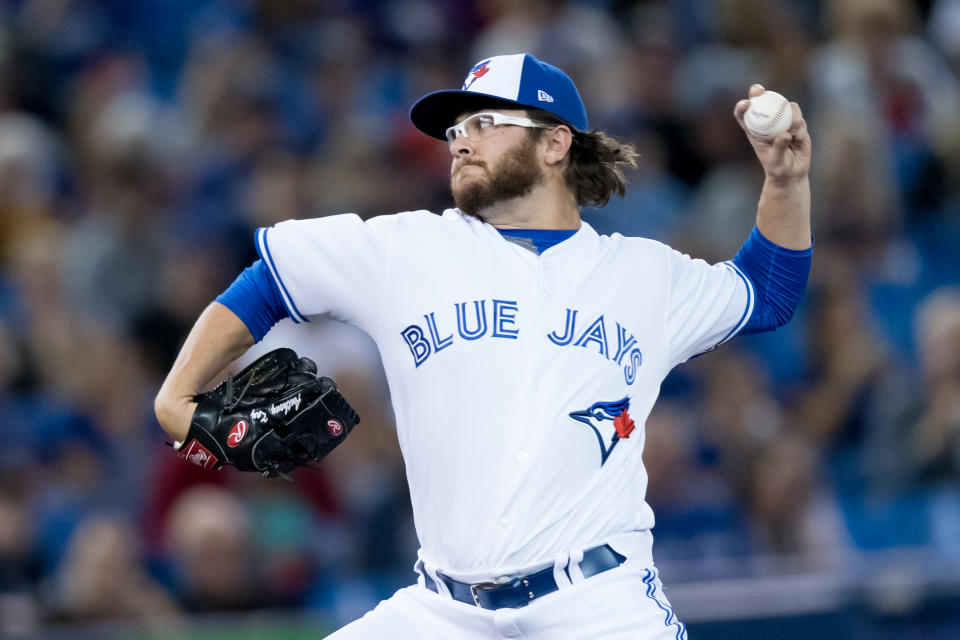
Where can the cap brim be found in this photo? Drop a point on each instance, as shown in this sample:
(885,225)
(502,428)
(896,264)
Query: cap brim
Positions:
(436,111)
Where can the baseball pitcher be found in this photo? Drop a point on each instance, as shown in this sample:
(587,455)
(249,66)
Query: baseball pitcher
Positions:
(524,352)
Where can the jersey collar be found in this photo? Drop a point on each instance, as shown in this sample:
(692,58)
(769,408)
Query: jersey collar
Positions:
(584,236)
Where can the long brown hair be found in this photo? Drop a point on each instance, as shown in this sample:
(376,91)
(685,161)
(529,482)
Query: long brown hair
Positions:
(597,161)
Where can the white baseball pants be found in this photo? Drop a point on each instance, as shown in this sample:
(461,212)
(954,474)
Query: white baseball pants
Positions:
(626,602)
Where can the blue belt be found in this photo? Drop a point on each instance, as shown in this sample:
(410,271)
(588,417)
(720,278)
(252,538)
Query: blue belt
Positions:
(522,590)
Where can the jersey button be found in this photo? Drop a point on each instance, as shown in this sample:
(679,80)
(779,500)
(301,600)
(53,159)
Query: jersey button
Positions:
(504,522)
(522,456)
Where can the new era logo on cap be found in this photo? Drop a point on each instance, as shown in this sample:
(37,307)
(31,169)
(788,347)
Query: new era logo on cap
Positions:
(502,82)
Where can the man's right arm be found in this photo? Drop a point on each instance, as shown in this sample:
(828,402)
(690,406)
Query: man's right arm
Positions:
(218,338)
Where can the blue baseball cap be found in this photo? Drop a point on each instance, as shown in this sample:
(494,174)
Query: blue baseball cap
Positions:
(505,82)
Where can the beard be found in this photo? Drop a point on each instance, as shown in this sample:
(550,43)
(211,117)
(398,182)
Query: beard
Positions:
(516,174)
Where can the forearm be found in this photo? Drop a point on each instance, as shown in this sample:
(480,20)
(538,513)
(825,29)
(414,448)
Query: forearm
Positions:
(218,338)
(783,214)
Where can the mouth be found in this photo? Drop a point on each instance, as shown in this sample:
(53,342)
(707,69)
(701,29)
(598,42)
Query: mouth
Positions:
(464,167)
(468,172)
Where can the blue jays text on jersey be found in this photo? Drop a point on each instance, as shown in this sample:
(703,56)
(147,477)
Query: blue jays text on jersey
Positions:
(472,323)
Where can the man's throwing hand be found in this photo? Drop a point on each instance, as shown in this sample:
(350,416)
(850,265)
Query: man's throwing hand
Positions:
(786,156)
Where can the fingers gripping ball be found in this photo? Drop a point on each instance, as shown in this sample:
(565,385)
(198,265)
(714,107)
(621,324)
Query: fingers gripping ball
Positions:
(769,114)
(274,416)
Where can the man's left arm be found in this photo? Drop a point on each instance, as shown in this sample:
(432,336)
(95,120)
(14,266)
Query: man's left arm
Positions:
(783,214)
(776,257)
(759,289)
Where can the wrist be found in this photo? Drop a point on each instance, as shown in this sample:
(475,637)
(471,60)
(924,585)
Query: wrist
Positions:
(797,183)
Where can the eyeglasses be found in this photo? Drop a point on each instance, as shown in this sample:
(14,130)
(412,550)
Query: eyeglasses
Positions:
(480,125)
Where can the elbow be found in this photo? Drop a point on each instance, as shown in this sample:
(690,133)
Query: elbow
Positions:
(768,317)
(171,415)
(161,409)
(782,315)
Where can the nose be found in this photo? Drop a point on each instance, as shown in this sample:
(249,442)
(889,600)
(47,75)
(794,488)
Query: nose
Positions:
(461,147)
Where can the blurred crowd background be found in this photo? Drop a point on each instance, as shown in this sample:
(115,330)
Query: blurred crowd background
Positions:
(142,143)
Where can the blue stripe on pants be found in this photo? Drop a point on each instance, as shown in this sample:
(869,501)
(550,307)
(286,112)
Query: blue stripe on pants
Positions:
(671,618)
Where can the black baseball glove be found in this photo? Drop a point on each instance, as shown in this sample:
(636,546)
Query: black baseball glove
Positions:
(274,416)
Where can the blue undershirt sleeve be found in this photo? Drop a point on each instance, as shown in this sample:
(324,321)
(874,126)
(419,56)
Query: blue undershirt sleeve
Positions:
(255,299)
(779,277)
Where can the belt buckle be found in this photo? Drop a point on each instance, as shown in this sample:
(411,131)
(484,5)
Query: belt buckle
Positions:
(487,586)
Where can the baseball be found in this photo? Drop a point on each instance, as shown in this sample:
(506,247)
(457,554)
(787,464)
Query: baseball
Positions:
(769,114)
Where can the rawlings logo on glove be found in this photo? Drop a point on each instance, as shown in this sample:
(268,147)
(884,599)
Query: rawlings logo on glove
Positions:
(275,416)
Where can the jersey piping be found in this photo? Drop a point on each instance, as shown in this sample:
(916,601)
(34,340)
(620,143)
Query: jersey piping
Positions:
(747,310)
(263,249)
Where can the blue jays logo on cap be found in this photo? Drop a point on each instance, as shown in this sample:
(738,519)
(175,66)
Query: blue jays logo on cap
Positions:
(502,82)
(479,70)
(596,417)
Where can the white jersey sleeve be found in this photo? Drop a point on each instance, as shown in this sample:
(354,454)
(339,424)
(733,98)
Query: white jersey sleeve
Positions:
(708,305)
(334,265)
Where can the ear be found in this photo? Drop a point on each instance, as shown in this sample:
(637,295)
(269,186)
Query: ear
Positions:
(557,143)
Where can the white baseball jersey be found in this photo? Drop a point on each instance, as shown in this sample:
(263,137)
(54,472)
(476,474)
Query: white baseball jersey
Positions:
(520,382)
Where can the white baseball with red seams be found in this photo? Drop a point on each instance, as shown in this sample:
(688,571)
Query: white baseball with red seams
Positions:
(768,115)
